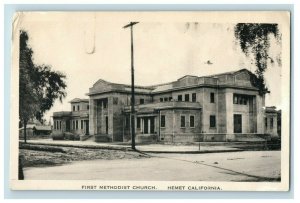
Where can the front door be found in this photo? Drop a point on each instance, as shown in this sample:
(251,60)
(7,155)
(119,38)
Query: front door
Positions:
(237,120)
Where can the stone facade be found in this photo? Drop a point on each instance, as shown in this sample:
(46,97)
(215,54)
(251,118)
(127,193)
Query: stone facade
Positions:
(223,107)
(75,121)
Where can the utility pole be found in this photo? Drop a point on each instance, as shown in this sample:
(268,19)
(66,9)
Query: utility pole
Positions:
(131,24)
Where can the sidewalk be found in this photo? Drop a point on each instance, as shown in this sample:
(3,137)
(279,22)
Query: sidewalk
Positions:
(150,148)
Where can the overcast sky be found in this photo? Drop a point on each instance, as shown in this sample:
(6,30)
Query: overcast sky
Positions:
(90,49)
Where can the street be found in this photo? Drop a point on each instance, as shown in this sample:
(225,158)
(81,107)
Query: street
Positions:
(230,166)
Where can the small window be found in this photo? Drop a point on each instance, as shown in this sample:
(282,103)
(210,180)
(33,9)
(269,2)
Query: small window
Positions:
(212,121)
(78,108)
(105,104)
(81,124)
(186,97)
(163,121)
(73,108)
(192,121)
(179,97)
(166,99)
(194,97)
(161,99)
(266,122)
(182,121)
(235,99)
(142,101)
(271,123)
(138,122)
(212,97)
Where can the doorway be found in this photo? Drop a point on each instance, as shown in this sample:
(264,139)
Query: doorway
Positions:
(237,120)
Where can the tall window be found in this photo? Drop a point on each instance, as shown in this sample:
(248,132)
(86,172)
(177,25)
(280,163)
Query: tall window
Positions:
(192,121)
(54,125)
(182,121)
(105,104)
(76,124)
(266,122)
(212,121)
(142,101)
(74,127)
(163,121)
(186,97)
(194,97)
(138,122)
(212,97)
(60,125)
(81,124)
(73,108)
(179,97)
(88,107)
(78,108)
(161,99)
(271,122)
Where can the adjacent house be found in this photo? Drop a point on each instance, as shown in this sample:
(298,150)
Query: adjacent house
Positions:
(222,107)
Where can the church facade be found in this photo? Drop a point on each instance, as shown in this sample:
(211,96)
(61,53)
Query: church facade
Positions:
(222,107)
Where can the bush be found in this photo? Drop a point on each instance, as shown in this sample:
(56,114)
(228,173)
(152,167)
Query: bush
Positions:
(59,136)
(69,136)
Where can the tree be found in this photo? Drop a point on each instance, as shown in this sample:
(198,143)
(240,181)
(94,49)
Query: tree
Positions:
(39,87)
(254,39)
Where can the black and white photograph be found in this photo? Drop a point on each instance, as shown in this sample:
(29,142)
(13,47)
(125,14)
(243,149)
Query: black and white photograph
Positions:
(153,101)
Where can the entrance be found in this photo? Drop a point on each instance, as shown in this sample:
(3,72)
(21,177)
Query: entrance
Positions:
(237,120)
(149,126)
(87,127)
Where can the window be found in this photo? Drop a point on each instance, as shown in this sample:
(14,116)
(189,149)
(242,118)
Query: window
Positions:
(60,125)
(182,121)
(163,121)
(266,122)
(212,97)
(115,100)
(104,104)
(81,124)
(78,107)
(240,99)
(127,122)
(73,108)
(161,99)
(76,124)
(186,97)
(192,121)
(179,97)
(194,97)
(54,125)
(142,101)
(170,99)
(88,107)
(138,123)
(212,121)
(271,122)
(73,125)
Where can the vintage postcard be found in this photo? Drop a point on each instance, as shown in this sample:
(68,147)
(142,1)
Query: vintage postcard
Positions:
(152,101)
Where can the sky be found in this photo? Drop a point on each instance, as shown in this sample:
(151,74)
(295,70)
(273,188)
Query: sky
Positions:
(87,48)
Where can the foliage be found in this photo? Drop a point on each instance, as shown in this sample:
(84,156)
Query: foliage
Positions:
(254,39)
(39,87)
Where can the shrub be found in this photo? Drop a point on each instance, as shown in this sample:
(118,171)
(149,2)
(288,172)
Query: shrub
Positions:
(58,136)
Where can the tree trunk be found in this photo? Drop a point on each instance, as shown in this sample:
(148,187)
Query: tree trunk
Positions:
(25,133)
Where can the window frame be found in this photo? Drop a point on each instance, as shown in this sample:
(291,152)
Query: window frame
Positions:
(179,96)
(210,121)
(194,97)
(192,115)
(186,97)
(163,116)
(182,116)
(212,97)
